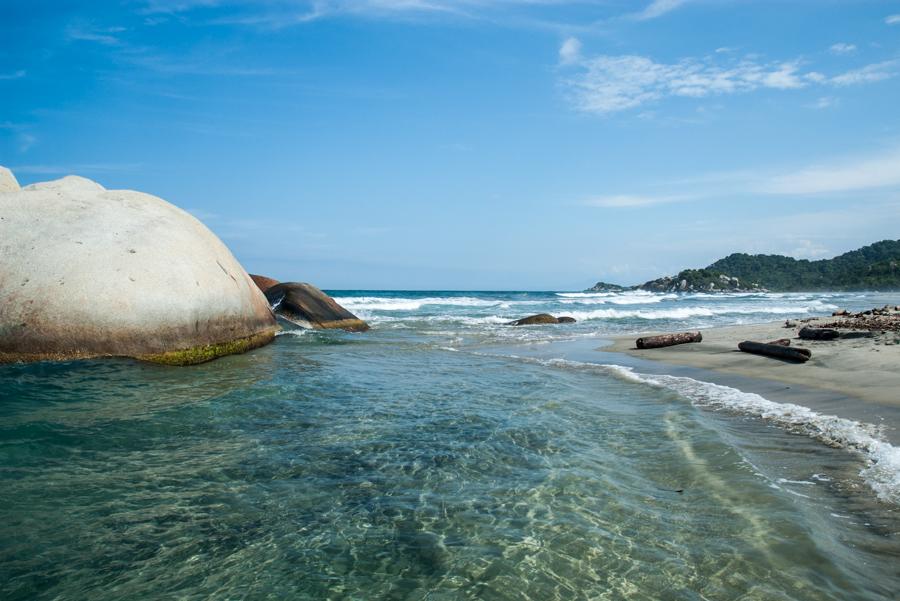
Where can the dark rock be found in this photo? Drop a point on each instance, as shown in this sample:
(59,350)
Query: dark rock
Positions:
(605,287)
(799,355)
(808,333)
(262,282)
(308,307)
(566,319)
(840,313)
(541,318)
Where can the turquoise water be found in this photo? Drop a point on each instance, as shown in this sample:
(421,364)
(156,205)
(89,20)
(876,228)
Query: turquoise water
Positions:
(439,456)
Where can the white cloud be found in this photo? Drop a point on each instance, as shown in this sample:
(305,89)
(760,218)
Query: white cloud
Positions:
(618,201)
(842,48)
(852,174)
(615,83)
(841,176)
(892,19)
(570,51)
(657,8)
(83,33)
(868,74)
(606,84)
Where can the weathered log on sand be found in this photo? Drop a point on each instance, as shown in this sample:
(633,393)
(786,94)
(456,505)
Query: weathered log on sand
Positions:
(646,342)
(781,342)
(808,333)
(800,355)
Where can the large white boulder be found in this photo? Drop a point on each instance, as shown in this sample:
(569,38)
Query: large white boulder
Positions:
(88,272)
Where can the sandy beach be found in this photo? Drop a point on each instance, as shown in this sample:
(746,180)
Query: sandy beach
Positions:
(865,368)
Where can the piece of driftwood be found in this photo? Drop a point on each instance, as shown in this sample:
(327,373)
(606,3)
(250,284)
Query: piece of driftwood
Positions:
(800,355)
(808,333)
(668,340)
(781,342)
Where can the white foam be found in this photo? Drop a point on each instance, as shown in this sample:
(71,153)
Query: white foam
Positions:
(380,303)
(688,312)
(622,299)
(297,332)
(882,472)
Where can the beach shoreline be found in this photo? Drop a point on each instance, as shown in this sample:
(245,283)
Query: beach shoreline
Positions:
(855,378)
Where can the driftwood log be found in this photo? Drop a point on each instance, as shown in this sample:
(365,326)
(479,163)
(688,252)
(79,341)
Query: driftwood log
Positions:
(781,342)
(668,340)
(808,333)
(800,355)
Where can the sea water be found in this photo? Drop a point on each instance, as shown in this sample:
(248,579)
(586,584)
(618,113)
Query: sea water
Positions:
(443,455)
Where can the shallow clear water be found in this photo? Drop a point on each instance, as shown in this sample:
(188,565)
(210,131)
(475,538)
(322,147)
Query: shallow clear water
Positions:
(430,458)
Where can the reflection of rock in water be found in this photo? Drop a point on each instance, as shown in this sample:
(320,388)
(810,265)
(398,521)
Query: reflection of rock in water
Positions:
(122,389)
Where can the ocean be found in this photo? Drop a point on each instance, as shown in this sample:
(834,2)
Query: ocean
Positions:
(444,455)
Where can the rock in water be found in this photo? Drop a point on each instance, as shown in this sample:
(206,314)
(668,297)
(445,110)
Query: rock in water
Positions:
(566,319)
(263,282)
(90,272)
(308,307)
(540,318)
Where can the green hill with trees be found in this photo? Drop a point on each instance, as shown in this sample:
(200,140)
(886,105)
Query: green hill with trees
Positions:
(873,267)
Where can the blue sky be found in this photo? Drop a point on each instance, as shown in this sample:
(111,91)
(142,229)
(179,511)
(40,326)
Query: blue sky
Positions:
(472,144)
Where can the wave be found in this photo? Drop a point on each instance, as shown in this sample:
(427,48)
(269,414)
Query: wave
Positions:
(688,312)
(882,472)
(380,303)
(622,299)
(602,294)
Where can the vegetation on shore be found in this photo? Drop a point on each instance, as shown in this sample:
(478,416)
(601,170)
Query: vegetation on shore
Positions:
(872,267)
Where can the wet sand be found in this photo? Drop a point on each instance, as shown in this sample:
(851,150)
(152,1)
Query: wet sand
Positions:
(867,369)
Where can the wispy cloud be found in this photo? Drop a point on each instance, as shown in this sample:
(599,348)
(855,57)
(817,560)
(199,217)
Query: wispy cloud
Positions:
(618,201)
(570,51)
(853,174)
(842,48)
(892,19)
(26,141)
(14,75)
(859,173)
(540,14)
(658,8)
(86,33)
(606,84)
(825,102)
(868,74)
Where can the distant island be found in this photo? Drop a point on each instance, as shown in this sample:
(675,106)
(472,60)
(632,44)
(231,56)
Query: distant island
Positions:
(873,267)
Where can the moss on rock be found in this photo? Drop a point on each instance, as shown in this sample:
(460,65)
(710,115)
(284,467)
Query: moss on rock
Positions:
(208,352)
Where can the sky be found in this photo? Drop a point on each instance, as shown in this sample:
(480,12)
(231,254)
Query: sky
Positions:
(472,144)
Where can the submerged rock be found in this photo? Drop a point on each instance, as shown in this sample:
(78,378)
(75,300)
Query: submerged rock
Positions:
(90,272)
(262,282)
(308,307)
(566,319)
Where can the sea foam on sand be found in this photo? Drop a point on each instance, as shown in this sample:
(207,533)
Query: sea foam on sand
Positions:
(882,472)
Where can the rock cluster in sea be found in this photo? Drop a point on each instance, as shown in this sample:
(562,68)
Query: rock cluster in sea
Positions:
(690,280)
(90,272)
